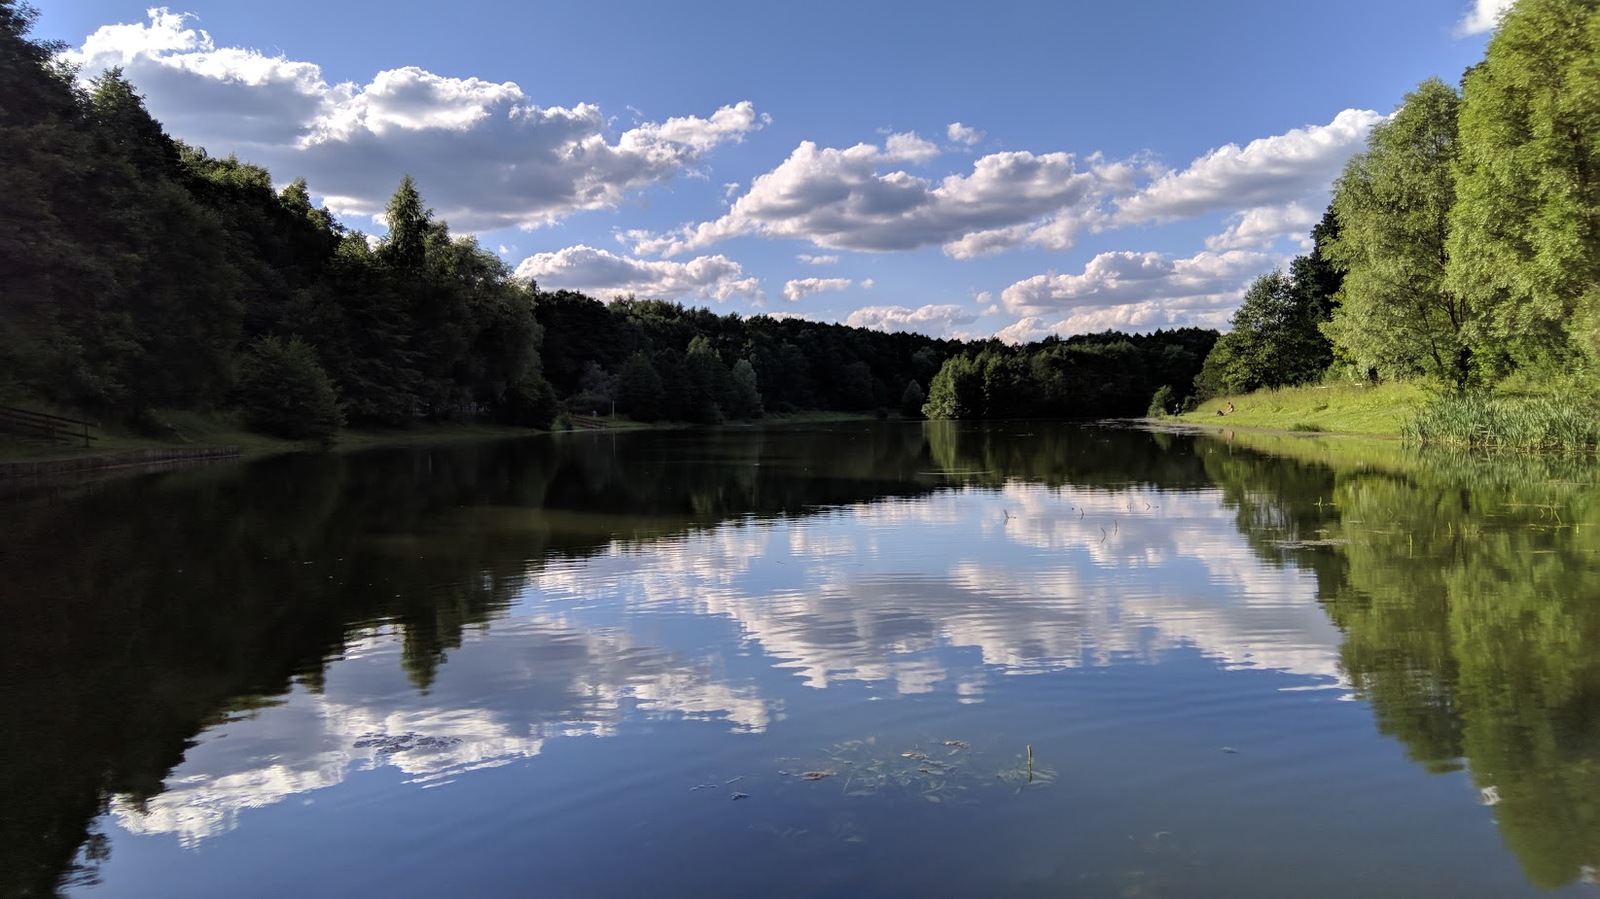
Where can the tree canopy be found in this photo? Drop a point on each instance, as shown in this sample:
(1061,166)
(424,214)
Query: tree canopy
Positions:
(1395,313)
(1274,338)
(1525,232)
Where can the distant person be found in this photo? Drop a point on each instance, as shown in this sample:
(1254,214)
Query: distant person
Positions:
(1230,408)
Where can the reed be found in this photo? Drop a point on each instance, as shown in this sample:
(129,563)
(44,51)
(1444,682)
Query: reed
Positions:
(1559,424)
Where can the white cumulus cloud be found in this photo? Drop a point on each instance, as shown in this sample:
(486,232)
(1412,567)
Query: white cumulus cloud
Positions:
(484,155)
(1265,225)
(934,321)
(1129,291)
(1483,17)
(799,287)
(600,273)
(1269,171)
(962,134)
(860,198)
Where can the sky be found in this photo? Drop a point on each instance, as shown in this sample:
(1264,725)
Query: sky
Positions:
(1005,169)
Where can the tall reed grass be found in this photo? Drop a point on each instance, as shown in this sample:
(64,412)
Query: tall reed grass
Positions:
(1548,424)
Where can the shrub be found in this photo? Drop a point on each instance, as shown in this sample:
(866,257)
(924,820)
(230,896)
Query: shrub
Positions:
(1161,404)
(530,403)
(283,390)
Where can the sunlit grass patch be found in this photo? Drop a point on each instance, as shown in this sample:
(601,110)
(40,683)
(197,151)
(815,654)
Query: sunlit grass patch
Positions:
(1381,409)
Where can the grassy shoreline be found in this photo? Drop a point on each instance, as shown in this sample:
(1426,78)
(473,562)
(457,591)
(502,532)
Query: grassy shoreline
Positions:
(1554,419)
(1383,410)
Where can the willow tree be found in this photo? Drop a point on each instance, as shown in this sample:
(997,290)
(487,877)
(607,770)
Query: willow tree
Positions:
(1525,231)
(1396,314)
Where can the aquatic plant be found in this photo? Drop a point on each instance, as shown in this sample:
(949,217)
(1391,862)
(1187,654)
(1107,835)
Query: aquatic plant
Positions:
(1554,424)
(946,771)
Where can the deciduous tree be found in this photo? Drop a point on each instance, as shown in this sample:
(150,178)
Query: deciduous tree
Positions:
(1525,232)
(1396,313)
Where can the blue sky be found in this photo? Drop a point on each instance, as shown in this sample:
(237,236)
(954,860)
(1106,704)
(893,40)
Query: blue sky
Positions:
(966,170)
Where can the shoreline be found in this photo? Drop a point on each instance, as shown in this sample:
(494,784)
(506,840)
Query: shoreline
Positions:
(98,462)
(90,462)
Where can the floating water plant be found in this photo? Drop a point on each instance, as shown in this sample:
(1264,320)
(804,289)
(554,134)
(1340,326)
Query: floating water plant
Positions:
(944,772)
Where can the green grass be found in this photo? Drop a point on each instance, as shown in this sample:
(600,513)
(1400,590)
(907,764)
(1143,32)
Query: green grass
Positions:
(1382,410)
(1520,416)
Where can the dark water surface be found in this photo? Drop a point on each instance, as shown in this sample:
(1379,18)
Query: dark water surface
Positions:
(843,660)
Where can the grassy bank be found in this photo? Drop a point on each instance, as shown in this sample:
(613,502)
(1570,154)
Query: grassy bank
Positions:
(1543,419)
(1382,410)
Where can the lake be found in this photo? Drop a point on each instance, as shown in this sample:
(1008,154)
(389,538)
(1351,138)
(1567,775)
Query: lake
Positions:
(860,659)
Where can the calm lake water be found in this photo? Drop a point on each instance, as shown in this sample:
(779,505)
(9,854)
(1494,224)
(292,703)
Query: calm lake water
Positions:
(872,659)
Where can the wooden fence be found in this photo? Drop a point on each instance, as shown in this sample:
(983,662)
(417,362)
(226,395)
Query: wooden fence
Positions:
(25,424)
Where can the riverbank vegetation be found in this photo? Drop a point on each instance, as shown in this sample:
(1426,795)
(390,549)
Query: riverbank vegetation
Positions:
(1461,252)
(1381,409)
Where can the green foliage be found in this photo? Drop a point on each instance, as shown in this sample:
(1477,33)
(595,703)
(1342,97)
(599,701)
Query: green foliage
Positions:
(744,400)
(531,403)
(1088,376)
(956,391)
(911,400)
(1555,424)
(639,390)
(1397,315)
(1273,341)
(1316,275)
(284,391)
(1161,402)
(409,223)
(1525,230)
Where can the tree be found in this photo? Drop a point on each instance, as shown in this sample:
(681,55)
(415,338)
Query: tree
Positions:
(1274,341)
(1397,315)
(711,392)
(409,223)
(283,390)
(361,325)
(1161,404)
(639,390)
(1317,277)
(745,399)
(1525,233)
(956,391)
(44,141)
(127,127)
(530,403)
(167,326)
(911,400)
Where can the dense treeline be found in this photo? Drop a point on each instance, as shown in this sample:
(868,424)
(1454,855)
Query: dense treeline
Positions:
(659,360)
(1466,238)
(1085,376)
